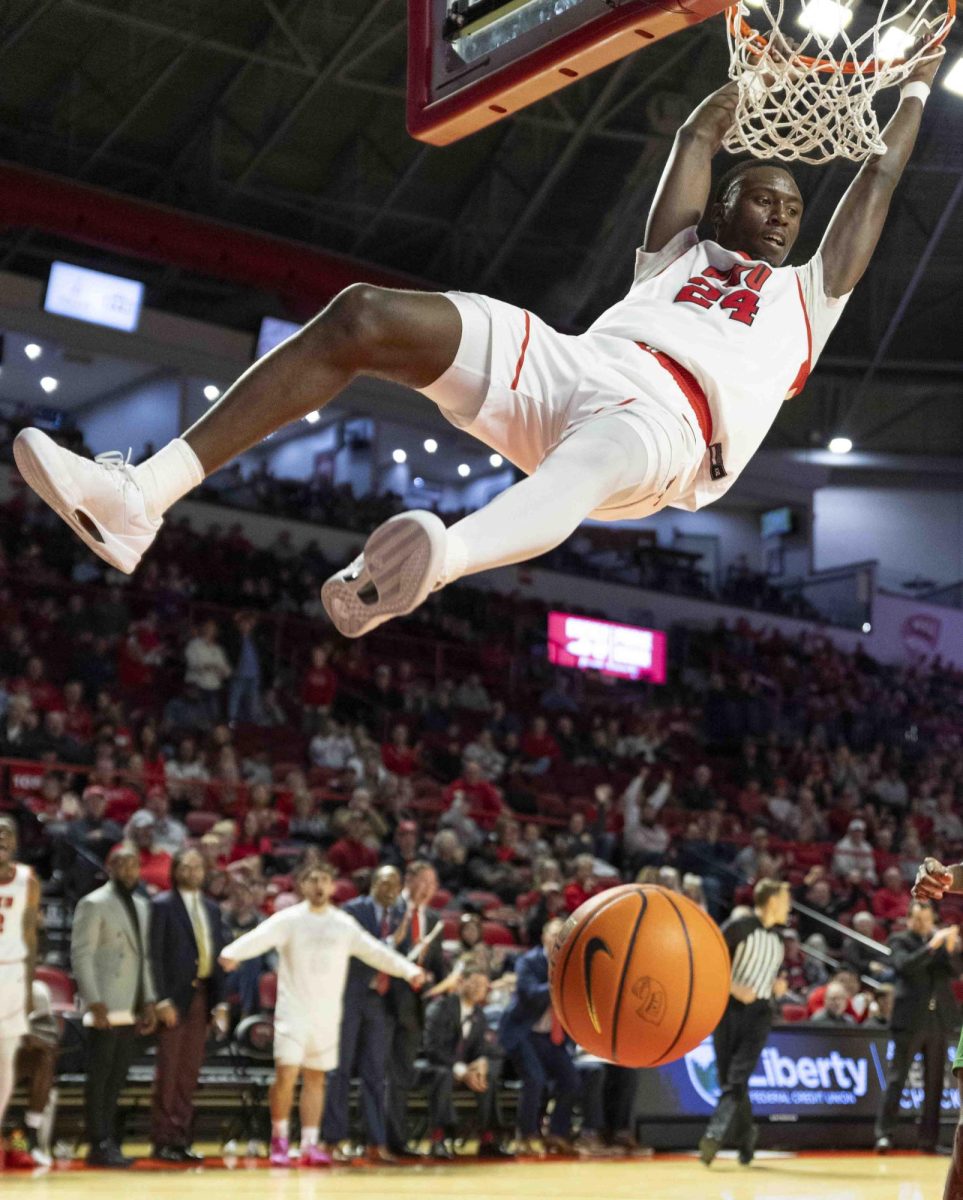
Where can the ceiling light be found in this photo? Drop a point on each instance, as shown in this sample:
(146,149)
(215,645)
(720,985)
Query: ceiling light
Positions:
(399,456)
(953,79)
(431,445)
(825,18)
(496,460)
(211,392)
(312,418)
(464,470)
(867,628)
(49,384)
(840,445)
(893,43)
(418,481)
(32,350)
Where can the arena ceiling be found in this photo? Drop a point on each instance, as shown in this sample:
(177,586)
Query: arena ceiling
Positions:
(287,116)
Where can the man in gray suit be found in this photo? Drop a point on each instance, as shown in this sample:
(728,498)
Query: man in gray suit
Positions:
(109,952)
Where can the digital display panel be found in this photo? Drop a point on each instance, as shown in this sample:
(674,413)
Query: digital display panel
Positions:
(803,1071)
(93,296)
(272,333)
(621,651)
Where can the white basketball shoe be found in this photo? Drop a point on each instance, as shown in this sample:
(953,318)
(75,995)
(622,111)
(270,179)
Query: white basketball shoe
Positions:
(100,499)
(401,563)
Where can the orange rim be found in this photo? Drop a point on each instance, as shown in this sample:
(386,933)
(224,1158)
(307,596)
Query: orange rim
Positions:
(867,67)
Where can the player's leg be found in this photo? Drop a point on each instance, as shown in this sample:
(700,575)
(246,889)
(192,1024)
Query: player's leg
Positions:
(8,1053)
(311,1107)
(280,1100)
(412,554)
(954,1177)
(407,337)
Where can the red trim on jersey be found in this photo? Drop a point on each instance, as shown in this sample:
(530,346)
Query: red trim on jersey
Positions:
(689,387)
(803,373)
(521,357)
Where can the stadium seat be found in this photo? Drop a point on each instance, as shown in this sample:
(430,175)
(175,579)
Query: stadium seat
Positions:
(495,933)
(344,890)
(63,990)
(267,991)
(793,1012)
(199,823)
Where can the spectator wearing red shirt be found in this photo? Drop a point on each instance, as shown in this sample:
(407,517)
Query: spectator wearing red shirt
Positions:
(351,853)
(77,717)
(139,656)
(539,747)
(122,800)
(44,696)
(891,902)
(398,755)
(483,799)
(584,886)
(319,685)
(155,865)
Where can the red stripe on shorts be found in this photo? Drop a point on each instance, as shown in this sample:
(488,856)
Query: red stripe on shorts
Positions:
(689,387)
(521,357)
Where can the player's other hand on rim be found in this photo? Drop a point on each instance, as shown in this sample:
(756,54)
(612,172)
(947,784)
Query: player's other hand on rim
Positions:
(932,880)
(925,70)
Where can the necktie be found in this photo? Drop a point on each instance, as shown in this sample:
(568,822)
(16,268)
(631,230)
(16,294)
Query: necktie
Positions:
(416,928)
(557,1033)
(200,936)
(381,979)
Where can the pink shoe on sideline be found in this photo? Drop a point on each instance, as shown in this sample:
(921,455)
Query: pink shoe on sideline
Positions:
(280,1152)
(314,1156)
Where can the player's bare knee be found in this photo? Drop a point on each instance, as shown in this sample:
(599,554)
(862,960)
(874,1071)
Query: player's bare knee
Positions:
(351,329)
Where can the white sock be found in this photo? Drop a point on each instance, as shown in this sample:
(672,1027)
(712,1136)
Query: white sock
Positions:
(309,1138)
(604,461)
(279,1129)
(168,475)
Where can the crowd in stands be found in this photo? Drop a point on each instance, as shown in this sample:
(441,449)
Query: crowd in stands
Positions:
(206,702)
(601,552)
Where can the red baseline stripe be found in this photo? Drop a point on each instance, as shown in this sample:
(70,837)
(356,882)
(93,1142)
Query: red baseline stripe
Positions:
(521,357)
(689,386)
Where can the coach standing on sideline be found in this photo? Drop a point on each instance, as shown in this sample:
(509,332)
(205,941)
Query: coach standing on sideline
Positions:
(757,952)
(925,1013)
(187,936)
(109,955)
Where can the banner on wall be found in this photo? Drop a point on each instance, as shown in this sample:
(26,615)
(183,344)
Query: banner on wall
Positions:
(803,1073)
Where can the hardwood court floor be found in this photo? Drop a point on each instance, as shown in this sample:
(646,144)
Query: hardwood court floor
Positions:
(807,1177)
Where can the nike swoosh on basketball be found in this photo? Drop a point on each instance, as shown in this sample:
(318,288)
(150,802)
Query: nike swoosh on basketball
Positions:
(595,945)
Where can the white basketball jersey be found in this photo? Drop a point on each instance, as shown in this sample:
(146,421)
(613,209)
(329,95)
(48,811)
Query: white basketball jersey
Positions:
(749,333)
(13,905)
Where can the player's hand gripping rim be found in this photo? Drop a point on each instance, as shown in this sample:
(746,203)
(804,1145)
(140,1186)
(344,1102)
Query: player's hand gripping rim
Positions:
(933,879)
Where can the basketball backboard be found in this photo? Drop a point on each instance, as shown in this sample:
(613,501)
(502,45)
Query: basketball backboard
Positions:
(472,62)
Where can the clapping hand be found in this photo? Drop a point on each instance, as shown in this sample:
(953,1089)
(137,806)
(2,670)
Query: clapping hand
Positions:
(932,880)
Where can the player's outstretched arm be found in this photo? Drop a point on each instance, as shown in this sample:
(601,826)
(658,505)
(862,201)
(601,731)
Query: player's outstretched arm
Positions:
(856,226)
(686,181)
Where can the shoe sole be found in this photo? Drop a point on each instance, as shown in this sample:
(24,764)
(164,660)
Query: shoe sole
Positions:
(36,463)
(402,559)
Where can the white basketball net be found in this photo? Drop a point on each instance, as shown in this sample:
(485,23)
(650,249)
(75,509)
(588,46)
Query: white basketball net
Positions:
(818,104)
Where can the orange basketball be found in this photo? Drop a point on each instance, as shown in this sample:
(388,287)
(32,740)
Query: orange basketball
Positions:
(639,975)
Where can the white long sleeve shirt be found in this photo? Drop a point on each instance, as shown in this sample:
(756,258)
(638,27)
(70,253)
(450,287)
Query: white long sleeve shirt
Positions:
(314,951)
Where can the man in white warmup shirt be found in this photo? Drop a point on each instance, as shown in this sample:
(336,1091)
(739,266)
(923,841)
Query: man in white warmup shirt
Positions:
(661,402)
(315,942)
(19,905)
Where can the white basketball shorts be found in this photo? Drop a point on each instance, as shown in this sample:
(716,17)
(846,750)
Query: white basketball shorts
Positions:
(13,1000)
(306,1043)
(521,387)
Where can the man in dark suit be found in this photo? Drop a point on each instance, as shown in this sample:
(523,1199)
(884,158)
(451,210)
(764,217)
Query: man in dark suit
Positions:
(458,1053)
(364,1023)
(187,935)
(109,954)
(532,1035)
(406,1011)
(925,1013)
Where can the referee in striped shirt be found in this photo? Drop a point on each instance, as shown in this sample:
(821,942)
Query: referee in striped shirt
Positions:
(756,948)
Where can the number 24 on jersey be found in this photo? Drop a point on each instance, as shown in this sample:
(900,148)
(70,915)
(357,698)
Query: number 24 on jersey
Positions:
(737,293)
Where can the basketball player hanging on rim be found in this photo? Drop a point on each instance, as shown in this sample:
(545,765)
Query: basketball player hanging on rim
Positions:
(662,402)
